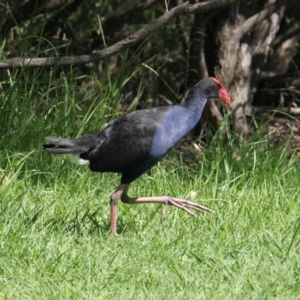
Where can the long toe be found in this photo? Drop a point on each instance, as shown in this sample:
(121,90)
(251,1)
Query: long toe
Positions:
(192,205)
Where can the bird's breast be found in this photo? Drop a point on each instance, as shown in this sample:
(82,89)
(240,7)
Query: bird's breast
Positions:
(176,124)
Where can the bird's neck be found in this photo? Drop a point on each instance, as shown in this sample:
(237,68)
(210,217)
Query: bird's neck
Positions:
(178,121)
(195,103)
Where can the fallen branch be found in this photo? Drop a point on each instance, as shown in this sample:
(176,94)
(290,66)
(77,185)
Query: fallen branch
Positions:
(131,40)
(274,91)
(284,110)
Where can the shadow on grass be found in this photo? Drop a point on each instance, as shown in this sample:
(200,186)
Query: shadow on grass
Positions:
(80,223)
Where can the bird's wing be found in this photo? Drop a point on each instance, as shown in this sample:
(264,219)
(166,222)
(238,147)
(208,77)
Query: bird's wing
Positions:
(126,142)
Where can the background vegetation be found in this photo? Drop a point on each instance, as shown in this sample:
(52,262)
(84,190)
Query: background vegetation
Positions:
(54,216)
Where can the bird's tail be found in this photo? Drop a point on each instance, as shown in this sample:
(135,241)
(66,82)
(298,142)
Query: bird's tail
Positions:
(71,148)
(58,145)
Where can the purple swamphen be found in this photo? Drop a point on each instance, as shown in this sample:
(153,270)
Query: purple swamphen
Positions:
(134,143)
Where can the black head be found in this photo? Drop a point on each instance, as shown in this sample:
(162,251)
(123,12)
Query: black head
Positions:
(211,87)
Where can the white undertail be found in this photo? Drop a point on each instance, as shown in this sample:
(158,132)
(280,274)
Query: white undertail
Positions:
(74,158)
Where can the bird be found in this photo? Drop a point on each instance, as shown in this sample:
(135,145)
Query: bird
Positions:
(133,143)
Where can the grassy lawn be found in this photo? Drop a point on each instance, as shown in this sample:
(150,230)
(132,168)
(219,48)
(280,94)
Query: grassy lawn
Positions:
(55,242)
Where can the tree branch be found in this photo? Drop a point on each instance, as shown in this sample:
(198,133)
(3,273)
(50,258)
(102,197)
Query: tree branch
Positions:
(131,40)
(284,110)
(18,14)
(117,20)
(259,17)
(273,91)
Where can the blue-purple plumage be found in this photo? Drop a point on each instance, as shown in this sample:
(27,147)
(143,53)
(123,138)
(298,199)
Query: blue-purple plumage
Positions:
(133,143)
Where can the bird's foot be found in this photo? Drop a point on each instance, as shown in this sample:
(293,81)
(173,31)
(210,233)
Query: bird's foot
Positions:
(164,210)
(184,205)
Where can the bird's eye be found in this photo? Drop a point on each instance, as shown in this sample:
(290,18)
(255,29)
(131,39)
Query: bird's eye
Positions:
(206,91)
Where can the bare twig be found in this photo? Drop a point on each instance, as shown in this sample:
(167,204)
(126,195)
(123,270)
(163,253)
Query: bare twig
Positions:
(20,13)
(131,40)
(284,110)
(280,90)
(120,17)
(259,17)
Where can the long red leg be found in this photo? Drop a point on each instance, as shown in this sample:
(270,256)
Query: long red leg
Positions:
(114,209)
(165,200)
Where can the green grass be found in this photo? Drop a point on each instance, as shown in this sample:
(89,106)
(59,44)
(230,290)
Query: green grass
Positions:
(54,216)
(55,242)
